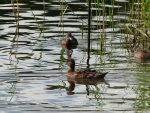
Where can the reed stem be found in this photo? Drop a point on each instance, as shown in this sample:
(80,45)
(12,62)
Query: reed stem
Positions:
(89,33)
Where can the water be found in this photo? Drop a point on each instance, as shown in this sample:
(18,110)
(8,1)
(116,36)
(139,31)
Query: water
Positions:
(33,76)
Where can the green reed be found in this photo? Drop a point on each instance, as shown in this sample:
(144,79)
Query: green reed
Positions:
(138,12)
(96,93)
(139,23)
(40,25)
(100,12)
(111,14)
(142,90)
(63,9)
(138,20)
(15,9)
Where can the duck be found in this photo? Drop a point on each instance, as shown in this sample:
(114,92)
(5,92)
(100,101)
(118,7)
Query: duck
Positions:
(139,53)
(86,73)
(69,42)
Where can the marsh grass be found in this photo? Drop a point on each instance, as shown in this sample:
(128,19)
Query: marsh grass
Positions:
(64,7)
(138,24)
(15,9)
(137,27)
(40,26)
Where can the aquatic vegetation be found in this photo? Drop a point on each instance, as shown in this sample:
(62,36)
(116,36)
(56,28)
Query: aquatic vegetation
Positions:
(39,62)
(139,23)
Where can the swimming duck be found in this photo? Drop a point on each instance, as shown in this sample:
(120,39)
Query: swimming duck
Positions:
(141,54)
(86,73)
(69,42)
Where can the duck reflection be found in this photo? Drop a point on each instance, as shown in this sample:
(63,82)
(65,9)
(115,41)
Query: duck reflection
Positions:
(70,88)
(87,82)
(69,42)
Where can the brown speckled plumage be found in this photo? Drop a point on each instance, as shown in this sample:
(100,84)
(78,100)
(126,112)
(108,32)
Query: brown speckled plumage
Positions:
(86,73)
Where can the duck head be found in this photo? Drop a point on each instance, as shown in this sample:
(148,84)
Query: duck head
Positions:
(69,35)
(140,53)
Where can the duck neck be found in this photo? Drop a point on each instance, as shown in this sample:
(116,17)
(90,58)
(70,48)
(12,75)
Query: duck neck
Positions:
(71,69)
(71,65)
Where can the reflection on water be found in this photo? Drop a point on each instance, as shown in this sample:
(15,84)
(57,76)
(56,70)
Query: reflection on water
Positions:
(33,71)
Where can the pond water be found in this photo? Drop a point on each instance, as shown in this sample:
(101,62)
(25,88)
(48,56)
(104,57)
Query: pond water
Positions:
(32,70)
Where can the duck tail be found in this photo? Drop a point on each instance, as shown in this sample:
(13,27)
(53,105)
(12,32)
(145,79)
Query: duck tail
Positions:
(102,75)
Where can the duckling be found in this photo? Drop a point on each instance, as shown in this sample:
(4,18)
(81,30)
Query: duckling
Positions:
(83,73)
(141,54)
(69,42)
